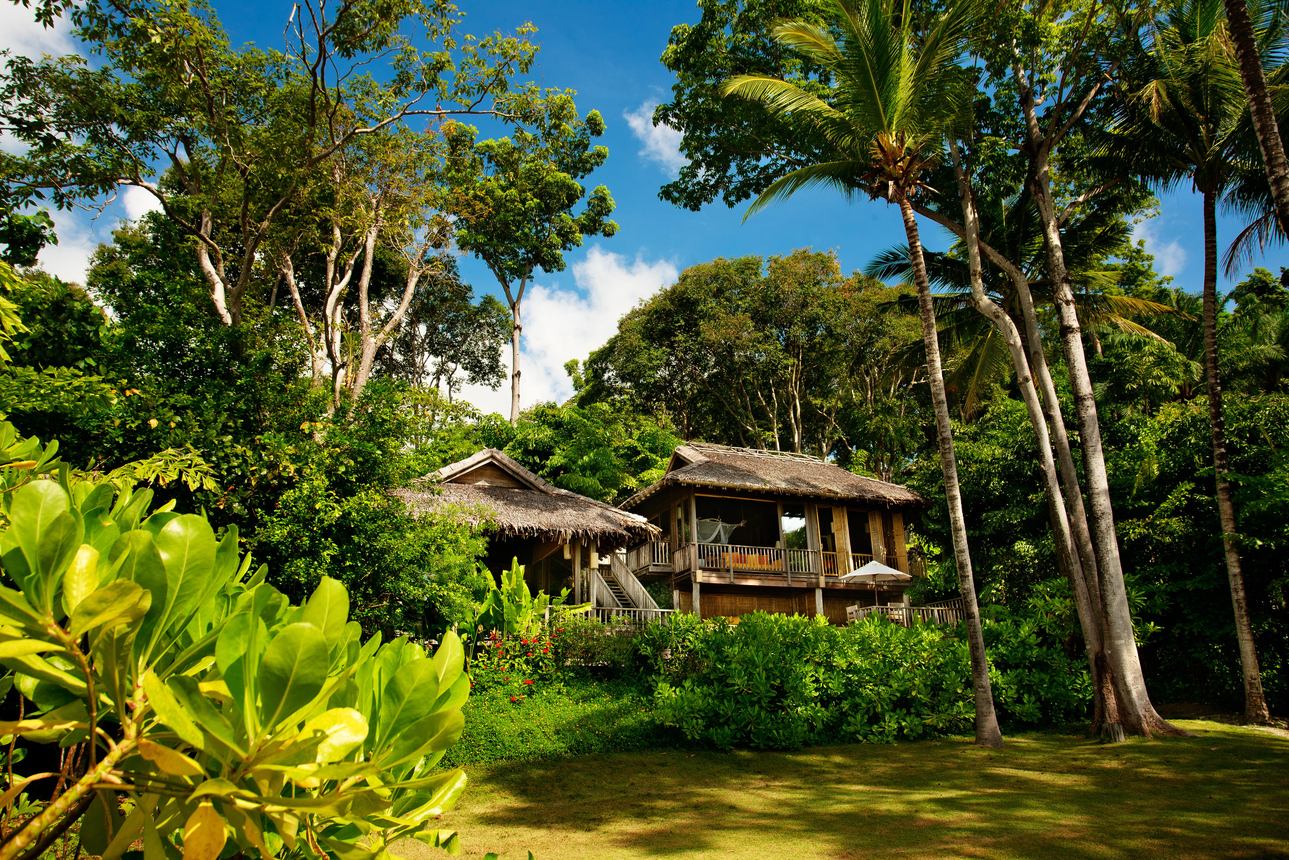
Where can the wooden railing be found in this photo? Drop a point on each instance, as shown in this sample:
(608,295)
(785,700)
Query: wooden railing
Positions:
(737,557)
(631,587)
(654,554)
(631,617)
(943,612)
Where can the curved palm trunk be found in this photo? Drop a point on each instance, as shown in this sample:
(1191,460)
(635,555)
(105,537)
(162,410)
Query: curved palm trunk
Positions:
(1255,703)
(1261,111)
(987,732)
(1135,708)
(1105,718)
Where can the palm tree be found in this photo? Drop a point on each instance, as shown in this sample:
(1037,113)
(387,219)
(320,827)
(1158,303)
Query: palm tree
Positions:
(1243,34)
(1188,121)
(896,94)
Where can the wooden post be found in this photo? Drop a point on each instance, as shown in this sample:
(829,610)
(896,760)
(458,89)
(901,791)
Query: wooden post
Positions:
(577,573)
(901,542)
(675,597)
(877,537)
(819,601)
(841,536)
(694,594)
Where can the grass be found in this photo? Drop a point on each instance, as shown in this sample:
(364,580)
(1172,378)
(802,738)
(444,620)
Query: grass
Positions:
(1224,792)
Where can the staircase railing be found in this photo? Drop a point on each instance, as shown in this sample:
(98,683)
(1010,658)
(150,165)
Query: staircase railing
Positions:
(632,587)
(603,596)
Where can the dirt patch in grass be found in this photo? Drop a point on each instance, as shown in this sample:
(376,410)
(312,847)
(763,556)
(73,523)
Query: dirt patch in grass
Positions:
(1223,792)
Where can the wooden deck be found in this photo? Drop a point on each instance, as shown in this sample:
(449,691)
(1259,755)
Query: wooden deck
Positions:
(943,612)
(750,564)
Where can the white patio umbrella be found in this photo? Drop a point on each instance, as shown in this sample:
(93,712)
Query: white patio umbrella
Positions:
(875,572)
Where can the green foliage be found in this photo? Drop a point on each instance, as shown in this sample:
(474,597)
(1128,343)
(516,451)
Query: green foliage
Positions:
(785,353)
(574,718)
(511,609)
(782,682)
(214,712)
(596,449)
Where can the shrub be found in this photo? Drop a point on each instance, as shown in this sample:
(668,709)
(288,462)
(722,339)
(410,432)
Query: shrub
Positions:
(779,682)
(577,717)
(202,709)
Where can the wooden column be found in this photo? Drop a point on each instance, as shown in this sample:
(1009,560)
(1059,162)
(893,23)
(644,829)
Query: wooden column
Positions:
(841,536)
(592,568)
(877,537)
(577,573)
(901,542)
(695,599)
(819,601)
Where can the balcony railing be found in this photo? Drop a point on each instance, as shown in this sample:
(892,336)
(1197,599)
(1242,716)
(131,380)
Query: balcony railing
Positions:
(652,556)
(769,560)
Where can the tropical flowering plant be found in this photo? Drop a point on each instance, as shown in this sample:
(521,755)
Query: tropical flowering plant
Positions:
(515,663)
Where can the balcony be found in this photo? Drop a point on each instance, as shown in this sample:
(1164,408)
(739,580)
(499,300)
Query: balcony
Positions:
(740,561)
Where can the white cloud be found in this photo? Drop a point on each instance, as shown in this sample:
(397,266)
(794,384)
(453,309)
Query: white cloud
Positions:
(137,202)
(660,143)
(78,236)
(565,323)
(1169,254)
(21,34)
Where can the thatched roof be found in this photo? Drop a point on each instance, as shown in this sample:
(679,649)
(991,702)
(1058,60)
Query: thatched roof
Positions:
(773,473)
(490,487)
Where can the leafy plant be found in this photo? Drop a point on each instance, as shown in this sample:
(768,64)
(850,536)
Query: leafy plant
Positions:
(211,712)
(512,610)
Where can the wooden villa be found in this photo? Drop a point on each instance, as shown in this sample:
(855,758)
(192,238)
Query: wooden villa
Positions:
(745,530)
(560,537)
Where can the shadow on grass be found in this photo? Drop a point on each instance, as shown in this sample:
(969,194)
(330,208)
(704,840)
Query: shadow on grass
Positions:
(1223,792)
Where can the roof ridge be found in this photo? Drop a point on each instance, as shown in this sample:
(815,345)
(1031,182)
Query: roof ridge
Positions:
(755,452)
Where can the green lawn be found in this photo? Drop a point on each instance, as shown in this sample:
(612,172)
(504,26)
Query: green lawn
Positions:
(1222,793)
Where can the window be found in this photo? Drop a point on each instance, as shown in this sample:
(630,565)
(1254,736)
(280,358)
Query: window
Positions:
(861,541)
(794,527)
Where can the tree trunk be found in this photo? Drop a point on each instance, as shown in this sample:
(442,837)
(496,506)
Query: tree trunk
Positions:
(516,329)
(1105,720)
(1261,110)
(1255,703)
(1135,708)
(987,732)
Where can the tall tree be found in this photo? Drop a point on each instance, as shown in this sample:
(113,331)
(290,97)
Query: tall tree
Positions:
(226,138)
(1265,125)
(1186,120)
(897,91)
(515,209)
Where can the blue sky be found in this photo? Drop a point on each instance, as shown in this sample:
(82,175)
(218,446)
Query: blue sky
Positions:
(608,51)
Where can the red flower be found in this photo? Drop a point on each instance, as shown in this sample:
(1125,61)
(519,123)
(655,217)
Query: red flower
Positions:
(514,698)
(528,681)
(546,650)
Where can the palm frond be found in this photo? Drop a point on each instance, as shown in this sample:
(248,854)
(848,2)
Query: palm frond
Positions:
(845,176)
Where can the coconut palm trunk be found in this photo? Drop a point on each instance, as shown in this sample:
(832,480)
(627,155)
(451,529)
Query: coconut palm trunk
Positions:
(987,732)
(1265,127)
(1105,718)
(1255,703)
(1135,708)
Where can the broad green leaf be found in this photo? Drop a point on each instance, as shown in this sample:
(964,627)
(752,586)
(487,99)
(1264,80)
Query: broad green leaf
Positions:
(23,647)
(141,563)
(407,698)
(241,645)
(328,610)
(205,714)
(81,578)
(119,602)
(449,658)
(58,547)
(343,730)
(34,509)
(168,760)
(100,824)
(39,668)
(204,834)
(187,547)
(292,672)
(169,712)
